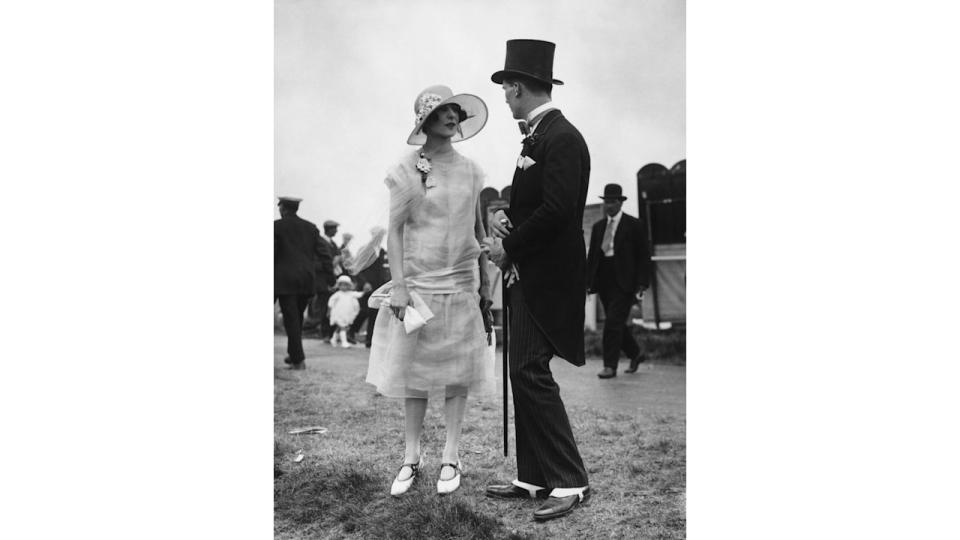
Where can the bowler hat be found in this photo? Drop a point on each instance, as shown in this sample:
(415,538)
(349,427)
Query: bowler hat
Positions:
(530,58)
(613,191)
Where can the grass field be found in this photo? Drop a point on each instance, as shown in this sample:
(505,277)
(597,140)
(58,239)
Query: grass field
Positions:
(340,487)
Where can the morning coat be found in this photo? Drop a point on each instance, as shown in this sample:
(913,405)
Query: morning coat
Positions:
(546,243)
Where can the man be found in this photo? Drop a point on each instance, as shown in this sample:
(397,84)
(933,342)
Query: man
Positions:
(617,268)
(540,243)
(330,228)
(317,315)
(297,250)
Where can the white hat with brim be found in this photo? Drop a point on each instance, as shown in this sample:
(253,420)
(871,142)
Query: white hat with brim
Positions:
(437,96)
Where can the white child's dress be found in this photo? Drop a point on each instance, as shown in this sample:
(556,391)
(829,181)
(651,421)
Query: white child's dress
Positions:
(344,307)
(449,356)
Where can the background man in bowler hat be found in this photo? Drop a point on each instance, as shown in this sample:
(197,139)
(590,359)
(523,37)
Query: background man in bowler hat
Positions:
(297,249)
(617,269)
(541,244)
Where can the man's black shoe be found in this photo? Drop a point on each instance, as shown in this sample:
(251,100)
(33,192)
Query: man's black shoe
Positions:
(298,366)
(559,506)
(510,491)
(637,360)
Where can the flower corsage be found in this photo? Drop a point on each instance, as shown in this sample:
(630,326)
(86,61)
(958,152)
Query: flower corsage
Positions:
(424,166)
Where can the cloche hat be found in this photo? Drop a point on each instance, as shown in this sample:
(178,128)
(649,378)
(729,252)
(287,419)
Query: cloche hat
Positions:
(472,119)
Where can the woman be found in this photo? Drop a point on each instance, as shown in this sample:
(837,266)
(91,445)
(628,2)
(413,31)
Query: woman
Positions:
(434,253)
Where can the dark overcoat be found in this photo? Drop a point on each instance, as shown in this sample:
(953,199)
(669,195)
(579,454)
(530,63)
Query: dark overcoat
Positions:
(297,252)
(631,257)
(546,244)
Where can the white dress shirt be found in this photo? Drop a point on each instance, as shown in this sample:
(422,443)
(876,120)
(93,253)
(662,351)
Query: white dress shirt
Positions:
(539,111)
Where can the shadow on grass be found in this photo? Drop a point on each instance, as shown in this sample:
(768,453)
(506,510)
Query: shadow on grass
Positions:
(327,496)
(352,497)
(414,518)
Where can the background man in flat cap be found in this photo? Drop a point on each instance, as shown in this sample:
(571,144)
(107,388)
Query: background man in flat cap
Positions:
(541,243)
(297,250)
(618,269)
(326,276)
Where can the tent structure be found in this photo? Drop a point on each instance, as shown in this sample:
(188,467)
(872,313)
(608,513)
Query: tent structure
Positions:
(663,206)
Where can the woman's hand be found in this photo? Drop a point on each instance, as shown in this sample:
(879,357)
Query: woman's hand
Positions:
(485,299)
(399,300)
(485,303)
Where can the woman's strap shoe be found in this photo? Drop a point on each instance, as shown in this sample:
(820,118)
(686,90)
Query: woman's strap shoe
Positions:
(400,487)
(451,485)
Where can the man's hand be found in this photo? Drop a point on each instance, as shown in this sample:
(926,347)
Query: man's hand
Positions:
(494,249)
(501,226)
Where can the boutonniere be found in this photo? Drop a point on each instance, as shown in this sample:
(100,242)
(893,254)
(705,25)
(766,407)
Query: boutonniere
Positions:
(531,140)
(424,166)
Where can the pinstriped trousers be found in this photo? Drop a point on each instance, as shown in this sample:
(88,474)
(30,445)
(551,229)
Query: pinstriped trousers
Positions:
(547,454)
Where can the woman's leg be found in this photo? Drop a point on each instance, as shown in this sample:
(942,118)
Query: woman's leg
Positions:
(415,409)
(455,407)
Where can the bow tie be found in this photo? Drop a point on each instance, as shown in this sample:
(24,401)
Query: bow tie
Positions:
(524,127)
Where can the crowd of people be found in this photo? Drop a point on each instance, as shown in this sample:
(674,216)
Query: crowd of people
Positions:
(336,302)
(426,300)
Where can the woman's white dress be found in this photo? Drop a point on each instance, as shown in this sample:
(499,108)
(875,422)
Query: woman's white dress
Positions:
(449,356)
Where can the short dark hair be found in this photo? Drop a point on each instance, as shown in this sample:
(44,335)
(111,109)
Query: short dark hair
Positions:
(534,85)
(460,112)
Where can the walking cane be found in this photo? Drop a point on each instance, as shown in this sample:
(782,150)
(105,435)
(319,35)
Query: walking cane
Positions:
(506,348)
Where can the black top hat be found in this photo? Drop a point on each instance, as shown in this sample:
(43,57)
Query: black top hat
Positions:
(530,58)
(613,191)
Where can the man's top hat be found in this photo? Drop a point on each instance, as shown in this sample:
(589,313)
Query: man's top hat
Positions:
(613,191)
(530,58)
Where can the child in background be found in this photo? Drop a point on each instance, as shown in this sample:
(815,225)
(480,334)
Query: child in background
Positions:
(344,306)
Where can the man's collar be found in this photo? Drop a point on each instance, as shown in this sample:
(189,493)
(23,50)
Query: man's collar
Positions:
(532,117)
(615,217)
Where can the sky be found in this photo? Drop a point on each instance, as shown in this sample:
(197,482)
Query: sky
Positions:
(347,74)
